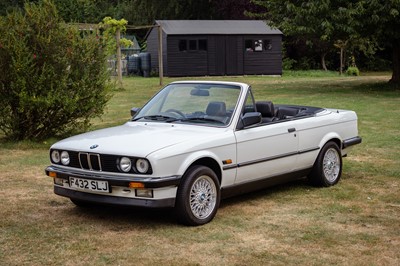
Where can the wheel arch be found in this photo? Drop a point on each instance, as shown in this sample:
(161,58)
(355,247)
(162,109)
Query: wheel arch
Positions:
(210,163)
(334,137)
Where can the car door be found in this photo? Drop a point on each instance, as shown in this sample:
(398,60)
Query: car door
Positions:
(266,150)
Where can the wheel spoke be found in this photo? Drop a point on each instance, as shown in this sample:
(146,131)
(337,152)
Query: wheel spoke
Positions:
(331,165)
(202,197)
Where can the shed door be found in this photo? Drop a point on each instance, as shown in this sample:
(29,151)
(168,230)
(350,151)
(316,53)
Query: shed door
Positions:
(231,55)
(220,55)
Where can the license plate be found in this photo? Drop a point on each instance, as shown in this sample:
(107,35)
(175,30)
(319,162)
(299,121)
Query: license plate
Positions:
(87,184)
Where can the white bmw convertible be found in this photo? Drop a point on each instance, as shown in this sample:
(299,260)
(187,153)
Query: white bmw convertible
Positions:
(196,142)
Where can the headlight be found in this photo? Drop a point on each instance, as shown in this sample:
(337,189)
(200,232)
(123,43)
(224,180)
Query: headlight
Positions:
(142,166)
(55,156)
(65,158)
(125,164)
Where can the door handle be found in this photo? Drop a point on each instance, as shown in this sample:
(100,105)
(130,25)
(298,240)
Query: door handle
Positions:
(292,129)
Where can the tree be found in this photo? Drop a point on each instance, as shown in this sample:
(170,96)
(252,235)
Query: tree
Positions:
(381,19)
(87,11)
(9,5)
(53,77)
(112,34)
(320,24)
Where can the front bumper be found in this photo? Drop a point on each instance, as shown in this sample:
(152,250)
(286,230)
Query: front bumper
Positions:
(163,189)
(113,200)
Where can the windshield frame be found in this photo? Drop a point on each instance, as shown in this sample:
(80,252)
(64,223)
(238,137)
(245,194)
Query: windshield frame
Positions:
(143,113)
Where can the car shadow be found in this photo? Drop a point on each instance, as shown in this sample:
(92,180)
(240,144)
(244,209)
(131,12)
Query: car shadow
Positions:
(263,193)
(123,218)
(121,215)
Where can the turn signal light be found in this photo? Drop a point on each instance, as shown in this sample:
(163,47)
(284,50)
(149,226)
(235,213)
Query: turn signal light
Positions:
(136,185)
(52,174)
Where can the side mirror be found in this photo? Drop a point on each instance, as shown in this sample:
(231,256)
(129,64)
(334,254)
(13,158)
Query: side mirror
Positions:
(134,111)
(251,118)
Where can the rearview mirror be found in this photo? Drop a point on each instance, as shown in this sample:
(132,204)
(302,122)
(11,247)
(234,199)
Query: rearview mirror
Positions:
(199,92)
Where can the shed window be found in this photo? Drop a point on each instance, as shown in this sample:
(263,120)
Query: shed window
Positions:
(267,45)
(192,45)
(182,45)
(257,45)
(203,45)
(248,44)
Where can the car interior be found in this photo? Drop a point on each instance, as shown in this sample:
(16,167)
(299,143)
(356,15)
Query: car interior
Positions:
(271,112)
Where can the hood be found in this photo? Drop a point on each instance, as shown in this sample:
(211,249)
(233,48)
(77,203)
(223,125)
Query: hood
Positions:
(135,138)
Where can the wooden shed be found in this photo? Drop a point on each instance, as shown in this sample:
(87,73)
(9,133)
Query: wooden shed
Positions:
(216,47)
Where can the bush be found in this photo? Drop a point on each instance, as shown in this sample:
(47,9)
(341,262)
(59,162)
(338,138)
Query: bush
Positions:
(353,71)
(53,77)
(287,63)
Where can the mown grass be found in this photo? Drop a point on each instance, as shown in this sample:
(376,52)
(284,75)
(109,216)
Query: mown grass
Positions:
(356,222)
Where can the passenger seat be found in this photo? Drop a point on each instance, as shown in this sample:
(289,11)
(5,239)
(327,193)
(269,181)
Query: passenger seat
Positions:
(266,108)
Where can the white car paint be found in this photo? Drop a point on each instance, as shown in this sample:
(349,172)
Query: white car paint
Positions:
(240,155)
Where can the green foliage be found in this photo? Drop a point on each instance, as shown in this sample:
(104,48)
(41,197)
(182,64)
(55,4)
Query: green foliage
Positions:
(86,11)
(111,26)
(53,78)
(321,24)
(353,71)
(288,63)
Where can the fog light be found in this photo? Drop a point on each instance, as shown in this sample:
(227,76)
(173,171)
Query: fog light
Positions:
(58,181)
(144,193)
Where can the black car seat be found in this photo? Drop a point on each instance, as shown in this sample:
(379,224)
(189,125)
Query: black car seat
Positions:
(266,108)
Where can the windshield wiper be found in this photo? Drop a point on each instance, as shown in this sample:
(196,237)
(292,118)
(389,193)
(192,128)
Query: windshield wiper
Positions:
(201,119)
(157,118)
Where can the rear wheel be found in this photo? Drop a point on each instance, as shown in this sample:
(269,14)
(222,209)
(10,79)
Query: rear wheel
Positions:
(198,196)
(327,168)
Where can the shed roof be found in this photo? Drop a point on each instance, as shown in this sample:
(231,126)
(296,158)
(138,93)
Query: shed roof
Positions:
(192,27)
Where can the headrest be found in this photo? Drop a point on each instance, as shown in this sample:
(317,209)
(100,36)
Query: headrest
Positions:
(216,109)
(266,108)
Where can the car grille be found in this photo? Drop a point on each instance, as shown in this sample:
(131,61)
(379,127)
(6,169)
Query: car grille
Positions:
(93,161)
(90,161)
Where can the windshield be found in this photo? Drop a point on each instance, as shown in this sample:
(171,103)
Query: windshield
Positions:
(209,104)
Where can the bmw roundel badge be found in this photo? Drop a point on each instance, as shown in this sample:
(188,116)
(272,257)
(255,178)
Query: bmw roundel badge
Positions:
(94,146)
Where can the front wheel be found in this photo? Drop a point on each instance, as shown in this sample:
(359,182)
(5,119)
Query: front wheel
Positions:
(198,196)
(327,168)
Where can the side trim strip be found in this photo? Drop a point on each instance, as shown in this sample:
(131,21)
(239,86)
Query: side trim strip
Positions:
(262,160)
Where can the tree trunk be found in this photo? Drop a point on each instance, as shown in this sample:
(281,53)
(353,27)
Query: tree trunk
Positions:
(396,63)
(341,60)
(119,60)
(323,62)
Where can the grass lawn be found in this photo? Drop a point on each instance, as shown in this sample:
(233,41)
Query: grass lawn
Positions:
(356,222)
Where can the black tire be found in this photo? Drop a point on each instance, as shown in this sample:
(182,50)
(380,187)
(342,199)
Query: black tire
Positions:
(327,169)
(198,196)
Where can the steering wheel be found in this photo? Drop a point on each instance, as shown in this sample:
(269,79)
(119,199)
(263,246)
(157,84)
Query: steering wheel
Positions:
(176,112)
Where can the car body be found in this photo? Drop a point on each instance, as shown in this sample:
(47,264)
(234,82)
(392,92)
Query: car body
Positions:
(196,142)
